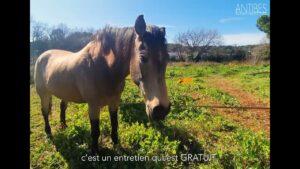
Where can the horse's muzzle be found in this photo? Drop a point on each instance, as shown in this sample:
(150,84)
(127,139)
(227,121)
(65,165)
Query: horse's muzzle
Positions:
(159,112)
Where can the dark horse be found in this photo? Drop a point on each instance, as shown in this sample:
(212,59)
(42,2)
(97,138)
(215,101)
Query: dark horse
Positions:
(96,74)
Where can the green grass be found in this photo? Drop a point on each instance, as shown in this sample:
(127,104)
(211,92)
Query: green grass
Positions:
(187,129)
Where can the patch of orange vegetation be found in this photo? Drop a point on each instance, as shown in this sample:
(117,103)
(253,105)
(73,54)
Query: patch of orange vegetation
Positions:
(185,80)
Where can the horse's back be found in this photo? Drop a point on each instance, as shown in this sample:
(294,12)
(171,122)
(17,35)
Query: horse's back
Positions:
(48,56)
(46,65)
(53,55)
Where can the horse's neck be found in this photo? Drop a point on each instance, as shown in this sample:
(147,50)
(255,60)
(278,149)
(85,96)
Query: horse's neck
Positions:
(87,48)
(117,63)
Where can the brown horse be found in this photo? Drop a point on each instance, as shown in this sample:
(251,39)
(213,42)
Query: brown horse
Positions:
(96,74)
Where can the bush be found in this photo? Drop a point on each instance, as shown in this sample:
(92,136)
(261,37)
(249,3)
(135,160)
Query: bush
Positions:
(260,53)
(216,54)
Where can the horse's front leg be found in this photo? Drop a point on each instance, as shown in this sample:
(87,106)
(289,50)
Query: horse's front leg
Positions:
(94,112)
(113,111)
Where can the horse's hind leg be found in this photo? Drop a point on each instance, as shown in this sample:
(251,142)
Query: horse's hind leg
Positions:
(113,111)
(63,107)
(46,101)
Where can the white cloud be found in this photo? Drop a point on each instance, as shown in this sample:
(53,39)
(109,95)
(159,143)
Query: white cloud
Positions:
(232,19)
(243,38)
(166,26)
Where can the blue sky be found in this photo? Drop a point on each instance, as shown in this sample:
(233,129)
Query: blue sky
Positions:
(234,19)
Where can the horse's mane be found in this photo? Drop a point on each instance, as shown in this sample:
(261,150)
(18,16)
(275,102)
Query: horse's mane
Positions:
(121,40)
(117,39)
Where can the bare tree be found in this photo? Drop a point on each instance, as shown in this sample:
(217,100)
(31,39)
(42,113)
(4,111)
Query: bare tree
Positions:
(39,30)
(57,36)
(39,37)
(77,40)
(180,51)
(260,53)
(198,41)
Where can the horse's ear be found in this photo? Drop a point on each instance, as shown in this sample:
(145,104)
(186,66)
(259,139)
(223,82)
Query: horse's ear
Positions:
(163,31)
(140,25)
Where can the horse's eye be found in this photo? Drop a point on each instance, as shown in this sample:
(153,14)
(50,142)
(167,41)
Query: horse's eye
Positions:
(144,59)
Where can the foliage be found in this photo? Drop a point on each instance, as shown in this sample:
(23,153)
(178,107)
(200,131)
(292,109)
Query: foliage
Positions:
(58,37)
(214,53)
(263,24)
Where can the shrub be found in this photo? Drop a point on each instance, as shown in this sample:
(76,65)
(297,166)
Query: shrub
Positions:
(260,53)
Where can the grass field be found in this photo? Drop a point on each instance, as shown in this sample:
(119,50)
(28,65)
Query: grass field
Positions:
(239,138)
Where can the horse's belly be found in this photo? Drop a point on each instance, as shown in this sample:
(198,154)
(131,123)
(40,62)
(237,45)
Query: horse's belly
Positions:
(67,92)
(69,96)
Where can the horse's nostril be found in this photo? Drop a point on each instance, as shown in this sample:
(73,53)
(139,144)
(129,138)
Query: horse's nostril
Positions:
(159,112)
(158,109)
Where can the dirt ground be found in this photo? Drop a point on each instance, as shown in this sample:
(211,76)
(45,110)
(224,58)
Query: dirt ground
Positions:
(256,118)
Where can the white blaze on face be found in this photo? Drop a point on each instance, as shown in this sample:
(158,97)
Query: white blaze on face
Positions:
(155,94)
